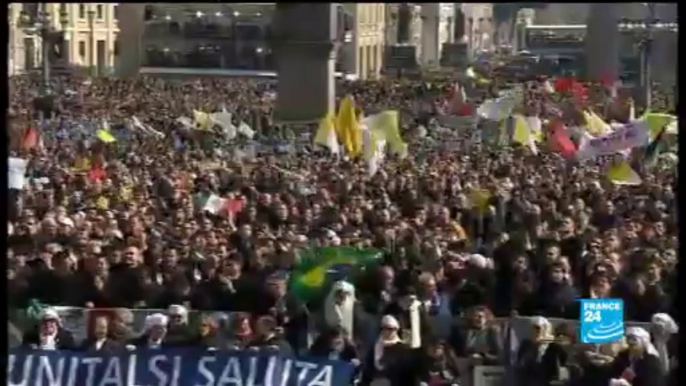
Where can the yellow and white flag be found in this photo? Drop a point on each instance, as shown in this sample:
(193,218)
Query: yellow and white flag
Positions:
(326,134)
(522,133)
(385,127)
(622,174)
(202,120)
(347,127)
(223,119)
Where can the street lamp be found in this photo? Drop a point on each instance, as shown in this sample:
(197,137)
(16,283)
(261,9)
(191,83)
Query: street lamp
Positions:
(40,25)
(91,56)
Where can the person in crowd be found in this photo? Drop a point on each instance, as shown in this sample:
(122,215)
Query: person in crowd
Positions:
(539,358)
(49,334)
(437,365)
(178,333)
(663,329)
(268,337)
(335,344)
(207,335)
(389,362)
(480,339)
(240,332)
(639,364)
(100,342)
(120,326)
(339,308)
(181,216)
(557,295)
(154,335)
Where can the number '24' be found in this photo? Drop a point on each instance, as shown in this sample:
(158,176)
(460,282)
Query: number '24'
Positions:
(592,316)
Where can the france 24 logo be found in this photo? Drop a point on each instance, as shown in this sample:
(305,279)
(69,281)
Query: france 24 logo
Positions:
(602,320)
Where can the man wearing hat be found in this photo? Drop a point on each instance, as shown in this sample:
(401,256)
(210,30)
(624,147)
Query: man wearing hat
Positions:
(49,334)
(178,333)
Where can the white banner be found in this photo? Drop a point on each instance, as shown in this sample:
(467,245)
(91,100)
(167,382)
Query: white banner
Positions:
(634,134)
(16,172)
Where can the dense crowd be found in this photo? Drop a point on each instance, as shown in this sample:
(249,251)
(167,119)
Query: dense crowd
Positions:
(133,235)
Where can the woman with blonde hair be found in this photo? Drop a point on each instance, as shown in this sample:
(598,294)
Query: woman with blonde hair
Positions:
(539,358)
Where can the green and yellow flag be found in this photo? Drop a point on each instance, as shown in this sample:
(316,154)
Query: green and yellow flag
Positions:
(319,267)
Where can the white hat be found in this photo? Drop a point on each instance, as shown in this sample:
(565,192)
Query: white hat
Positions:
(666,321)
(50,314)
(153,320)
(178,310)
(390,321)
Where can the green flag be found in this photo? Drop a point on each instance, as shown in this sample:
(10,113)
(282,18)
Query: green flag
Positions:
(654,149)
(319,267)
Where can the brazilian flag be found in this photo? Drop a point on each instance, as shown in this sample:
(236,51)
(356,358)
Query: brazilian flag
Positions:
(319,267)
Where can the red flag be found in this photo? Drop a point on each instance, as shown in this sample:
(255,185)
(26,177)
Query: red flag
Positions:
(579,91)
(31,139)
(457,99)
(559,140)
(97,173)
(563,84)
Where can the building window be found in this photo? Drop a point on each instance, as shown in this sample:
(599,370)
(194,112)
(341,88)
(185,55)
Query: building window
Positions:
(82,49)
(116,47)
(116,12)
(82,11)
(99,11)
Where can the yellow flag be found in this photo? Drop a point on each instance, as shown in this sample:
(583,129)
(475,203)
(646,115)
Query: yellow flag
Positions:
(385,126)
(326,134)
(656,121)
(347,127)
(479,199)
(202,120)
(126,193)
(622,174)
(522,133)
(105,136)
(102,203)
(82,164)
(595,125)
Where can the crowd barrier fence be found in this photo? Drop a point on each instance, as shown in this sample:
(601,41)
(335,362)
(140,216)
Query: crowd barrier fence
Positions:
(77,321)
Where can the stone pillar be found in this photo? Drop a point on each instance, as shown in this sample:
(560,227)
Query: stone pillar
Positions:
(131,29)
(430,25)
(305,55)
(602,41)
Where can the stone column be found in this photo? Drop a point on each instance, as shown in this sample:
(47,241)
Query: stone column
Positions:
(131,28)
(430,25)
(602,41)
(304,47)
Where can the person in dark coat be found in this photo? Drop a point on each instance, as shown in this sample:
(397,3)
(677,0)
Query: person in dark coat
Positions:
(240,332)
(639,364)
(207,335)
(178,332)
(539,359)
(154,335)
(99,342)
(332,344)
(479,339)
(390,361)
(49,334)
(557,295)
(268,337)
(437,365)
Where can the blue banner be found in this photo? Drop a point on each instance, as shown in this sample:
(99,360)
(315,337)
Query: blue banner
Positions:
(177,367)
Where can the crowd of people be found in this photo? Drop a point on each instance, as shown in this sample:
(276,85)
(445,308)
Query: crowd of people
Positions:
(127,231)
